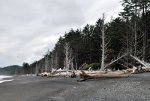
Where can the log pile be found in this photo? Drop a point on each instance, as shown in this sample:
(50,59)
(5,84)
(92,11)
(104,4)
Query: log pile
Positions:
(85,75)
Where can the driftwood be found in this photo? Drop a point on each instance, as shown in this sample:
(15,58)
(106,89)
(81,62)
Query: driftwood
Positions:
(53,76)
(45,74)
(138,71)
(137,59)
(135,70)
(84,76)
(146,70)
(127,70)
(115,60)
(72,75)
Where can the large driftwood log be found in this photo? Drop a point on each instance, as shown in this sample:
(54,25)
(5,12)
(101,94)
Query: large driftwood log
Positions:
(84,76)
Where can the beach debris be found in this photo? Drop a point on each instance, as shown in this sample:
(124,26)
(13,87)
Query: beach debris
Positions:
(137,70)
(73,75)
(140,70)
(70,75)
(45,74)
(84,76)
(146,69)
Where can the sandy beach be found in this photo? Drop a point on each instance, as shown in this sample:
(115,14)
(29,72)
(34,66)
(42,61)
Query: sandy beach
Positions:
(134,88)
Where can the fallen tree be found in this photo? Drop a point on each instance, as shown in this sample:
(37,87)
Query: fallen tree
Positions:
(145,68)
(114,61)
(84,76)
(141,62)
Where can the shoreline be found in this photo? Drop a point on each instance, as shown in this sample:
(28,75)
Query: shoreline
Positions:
(35,88)
(5,78)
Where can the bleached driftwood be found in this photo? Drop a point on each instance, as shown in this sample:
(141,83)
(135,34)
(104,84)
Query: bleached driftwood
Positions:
(137,70)
(84,76)
(115,60)
(146,70)
(146,65)
(137,59)
(71,75)
(127,70)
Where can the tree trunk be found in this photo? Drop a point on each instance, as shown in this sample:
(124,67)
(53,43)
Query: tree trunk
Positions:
(68,63)
(141,62)
(103,47)
(84,76)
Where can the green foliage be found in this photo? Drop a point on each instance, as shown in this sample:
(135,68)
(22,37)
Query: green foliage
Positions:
(26,68)
(116,31)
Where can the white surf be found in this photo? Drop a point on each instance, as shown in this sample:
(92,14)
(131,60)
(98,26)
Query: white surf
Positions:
(4,78)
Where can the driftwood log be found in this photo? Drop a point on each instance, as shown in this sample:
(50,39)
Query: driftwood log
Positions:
(72,75)
(141,71)
(146,70)
(84,76)
(136,70)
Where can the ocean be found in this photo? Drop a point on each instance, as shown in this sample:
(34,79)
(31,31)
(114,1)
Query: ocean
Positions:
(4,78)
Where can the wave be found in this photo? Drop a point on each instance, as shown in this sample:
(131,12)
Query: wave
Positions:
(4,78)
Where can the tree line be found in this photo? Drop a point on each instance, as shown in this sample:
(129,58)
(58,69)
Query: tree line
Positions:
(83,48)
(11,70)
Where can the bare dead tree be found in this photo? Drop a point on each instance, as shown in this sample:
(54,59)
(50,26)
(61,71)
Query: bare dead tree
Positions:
(135,32)
(68,62)
(104,44)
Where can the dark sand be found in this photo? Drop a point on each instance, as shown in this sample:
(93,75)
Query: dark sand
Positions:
(134,88)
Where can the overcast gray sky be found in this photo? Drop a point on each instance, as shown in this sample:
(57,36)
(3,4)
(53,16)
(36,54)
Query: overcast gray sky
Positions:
(30,27)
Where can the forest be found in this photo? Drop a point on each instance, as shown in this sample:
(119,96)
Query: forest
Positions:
(97,46)
(11,70)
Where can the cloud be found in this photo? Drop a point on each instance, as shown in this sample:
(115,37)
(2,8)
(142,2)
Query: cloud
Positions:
(30,27)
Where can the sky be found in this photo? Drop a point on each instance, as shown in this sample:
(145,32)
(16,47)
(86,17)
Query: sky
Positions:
(28,28)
